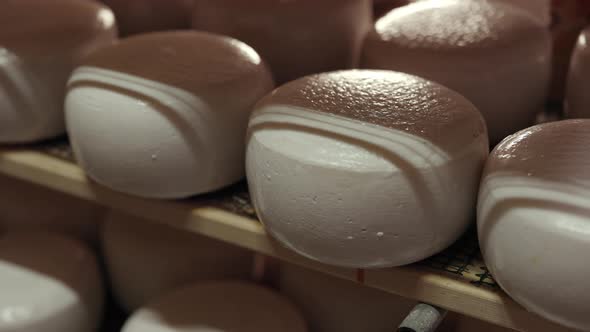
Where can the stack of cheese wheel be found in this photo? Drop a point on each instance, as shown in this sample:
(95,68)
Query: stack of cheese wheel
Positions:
(48,210)
(191,95)
(146,260)
(48,283)
(40,43)
(365,168)
(218,306)
(577,103)
(534,219)
(295,37)
(472,47)
(141,16)
(334,305)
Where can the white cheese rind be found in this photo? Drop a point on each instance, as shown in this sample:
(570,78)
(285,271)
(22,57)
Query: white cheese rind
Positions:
(356,195)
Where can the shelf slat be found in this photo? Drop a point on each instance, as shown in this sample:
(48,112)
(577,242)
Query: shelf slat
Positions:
(415,282)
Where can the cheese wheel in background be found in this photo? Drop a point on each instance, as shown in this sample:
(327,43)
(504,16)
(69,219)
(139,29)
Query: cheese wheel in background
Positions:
(296,38)
(141,16)
(40,43)
(496,56)
(28,207)
(577,103)
(164,115)
(48,283)
(145,259)
(534,220)
(335,305)
(222,306)
(570,18)
(365,168)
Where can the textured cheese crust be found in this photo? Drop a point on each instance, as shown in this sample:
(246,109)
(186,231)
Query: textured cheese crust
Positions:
(353,194)
(151,139)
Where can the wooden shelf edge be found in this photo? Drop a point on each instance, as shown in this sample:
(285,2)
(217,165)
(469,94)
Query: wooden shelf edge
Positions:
(410,282)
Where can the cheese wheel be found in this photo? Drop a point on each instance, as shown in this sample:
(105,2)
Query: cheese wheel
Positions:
(335,305)
(48,283)
(223,306)
(570,18)
(494,55)
(40,43)
(534,219)
(141,16)
(29,207)
(146,260)
(191,95)
(365,168)
(297,38)
(577,103)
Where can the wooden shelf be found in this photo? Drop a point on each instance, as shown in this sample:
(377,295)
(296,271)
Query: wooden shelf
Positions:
(203,217)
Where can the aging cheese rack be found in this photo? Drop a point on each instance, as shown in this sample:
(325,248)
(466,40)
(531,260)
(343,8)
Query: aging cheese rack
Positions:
(456,279)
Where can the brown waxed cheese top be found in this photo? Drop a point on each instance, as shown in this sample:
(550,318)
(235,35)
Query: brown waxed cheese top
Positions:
(556,151)
(187,60)
(140,16)
(388,99)
(455,26)
(45,25)
(295,37)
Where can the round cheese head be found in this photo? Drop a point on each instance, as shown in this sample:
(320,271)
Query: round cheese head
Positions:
(496,56)
(29,207)
(146,260)
(297,38)
(577,104)
(534,219)
(40,43)
(365,168)
(189,93)
(48,283)
(223,306)
(335,305)
(141,16)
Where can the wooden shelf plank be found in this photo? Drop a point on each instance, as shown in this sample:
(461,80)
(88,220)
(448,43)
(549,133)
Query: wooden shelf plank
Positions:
(416,282)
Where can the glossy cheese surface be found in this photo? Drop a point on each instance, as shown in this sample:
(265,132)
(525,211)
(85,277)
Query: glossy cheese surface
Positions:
(338,184)
(534,219)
